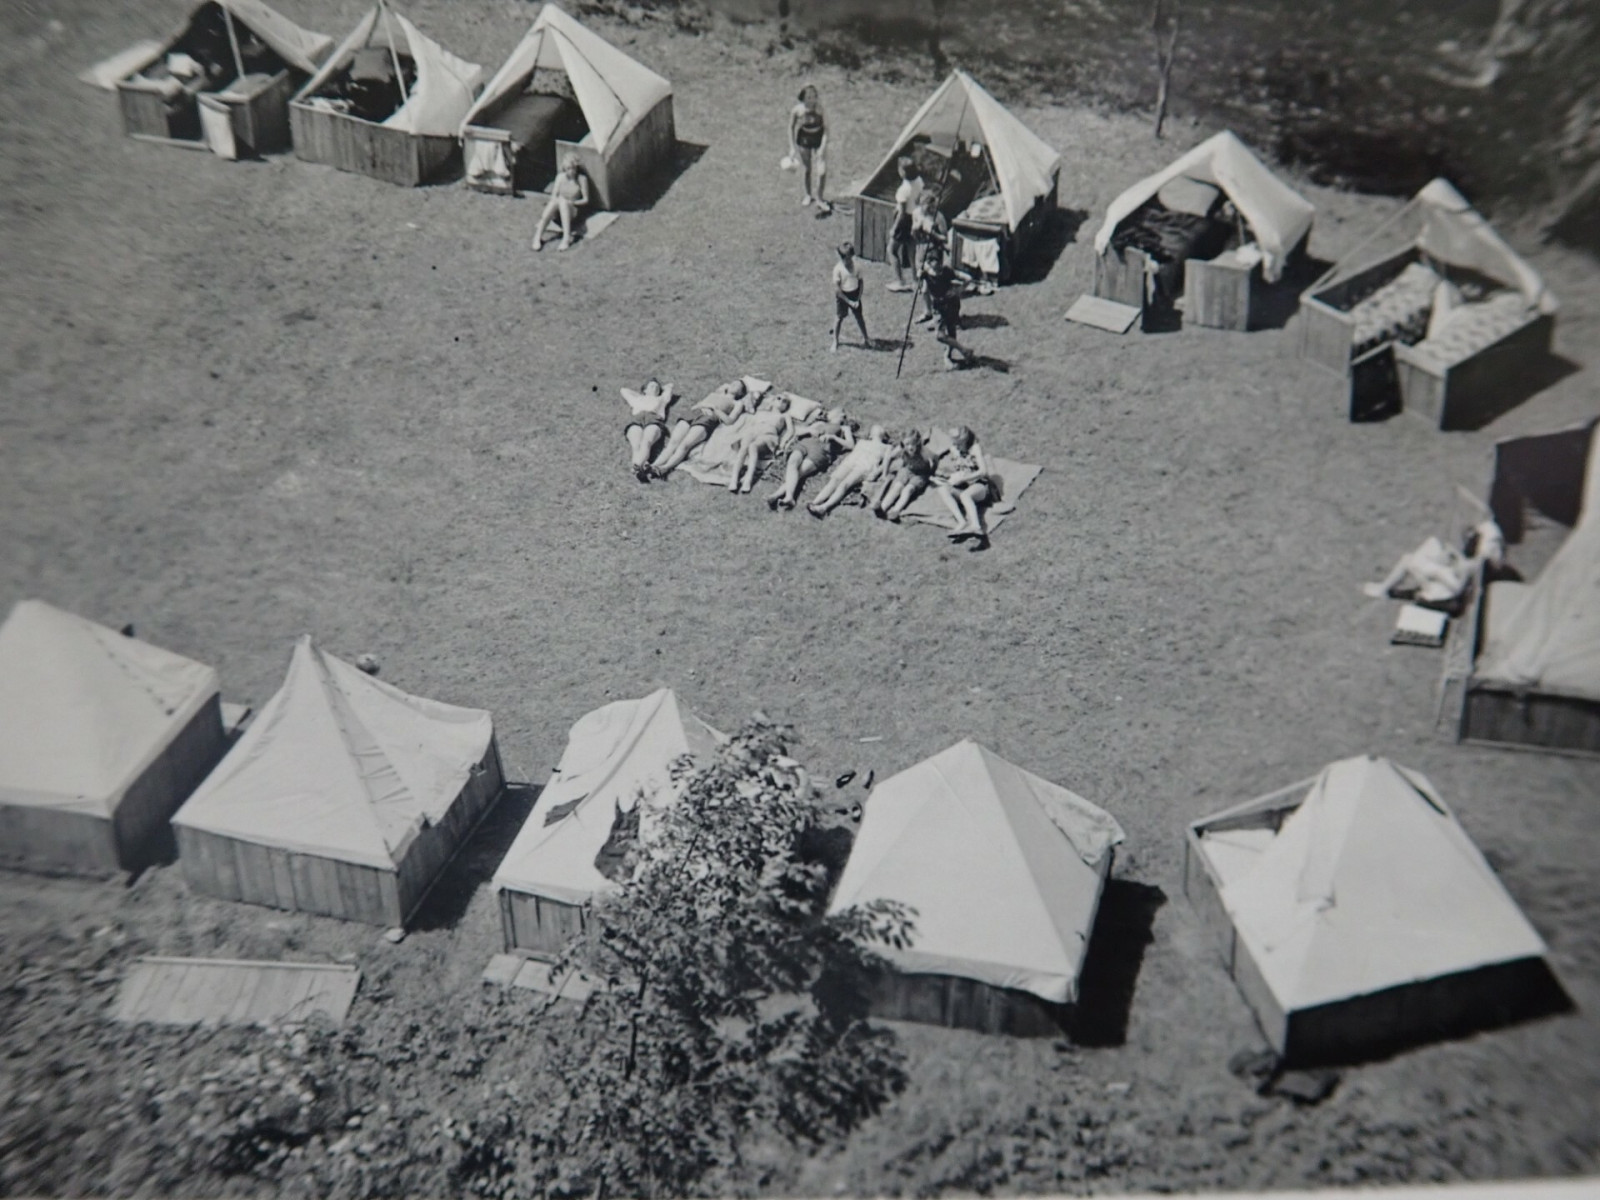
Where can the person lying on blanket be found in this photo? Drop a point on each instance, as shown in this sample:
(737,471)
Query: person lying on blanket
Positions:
(721,407)
(764,432)
(864,463)
(1439,574)
(647,427)
(911,471)
(817,444)
(965,485)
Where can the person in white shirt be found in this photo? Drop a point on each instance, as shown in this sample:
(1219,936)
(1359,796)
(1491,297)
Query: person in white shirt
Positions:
(847,290)
(647,427)
(902,233)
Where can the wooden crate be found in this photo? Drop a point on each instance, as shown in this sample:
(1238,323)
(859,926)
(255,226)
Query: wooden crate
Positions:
(1324,335)
(537,925)
(365,148)
(151,114)
(1217,292)
(874,220)
(1121,275)
(1467,394)
(259,111)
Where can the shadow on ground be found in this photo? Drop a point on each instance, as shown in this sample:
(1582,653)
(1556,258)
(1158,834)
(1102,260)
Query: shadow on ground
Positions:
(476,862)
(1122,932)
(1060,231)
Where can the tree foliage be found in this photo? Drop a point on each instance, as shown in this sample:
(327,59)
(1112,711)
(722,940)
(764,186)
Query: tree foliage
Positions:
(730,1004)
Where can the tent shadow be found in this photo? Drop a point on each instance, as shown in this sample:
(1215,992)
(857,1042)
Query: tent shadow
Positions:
(1276,303)
(477,860)
(1122,932)
(684,156)
(1060,230)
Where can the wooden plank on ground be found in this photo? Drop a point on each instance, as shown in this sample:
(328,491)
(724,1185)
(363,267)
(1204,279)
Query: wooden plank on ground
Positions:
(199,991)
(1103,314)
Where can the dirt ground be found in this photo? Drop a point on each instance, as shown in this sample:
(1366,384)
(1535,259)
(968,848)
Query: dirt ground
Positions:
(239,402)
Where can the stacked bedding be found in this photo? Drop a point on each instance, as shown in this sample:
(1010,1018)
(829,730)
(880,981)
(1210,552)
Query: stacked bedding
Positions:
(1396,312)
(1471,328)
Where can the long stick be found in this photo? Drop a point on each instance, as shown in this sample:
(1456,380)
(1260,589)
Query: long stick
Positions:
(906,339)
(400,76)
(233,41)
(944,177)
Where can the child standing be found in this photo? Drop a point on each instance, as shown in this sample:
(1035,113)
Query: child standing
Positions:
(847,290)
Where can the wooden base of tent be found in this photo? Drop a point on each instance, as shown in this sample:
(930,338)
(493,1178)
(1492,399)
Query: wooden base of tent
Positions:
(231,869)
(258,112)
(138,834)
(958,1003)
(1472,392)
(1218,293)
(536,925)
(875,218)
(352,144)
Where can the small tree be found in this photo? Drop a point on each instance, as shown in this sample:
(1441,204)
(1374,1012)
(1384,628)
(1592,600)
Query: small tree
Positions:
(1164,28)
(728,1004)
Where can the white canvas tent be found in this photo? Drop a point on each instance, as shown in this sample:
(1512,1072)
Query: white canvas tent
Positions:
(626,107)
(301,48)
(1278,216)
(102,736)
(1355,911)
(615,754)
(1003,869)
(345,796)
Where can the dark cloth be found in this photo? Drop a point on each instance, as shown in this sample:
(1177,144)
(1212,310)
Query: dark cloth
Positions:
(810,132)
(706,419)
(845,303)
(902,243)
(645,421)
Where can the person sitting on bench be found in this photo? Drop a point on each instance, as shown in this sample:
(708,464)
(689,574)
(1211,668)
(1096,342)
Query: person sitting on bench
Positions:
(723,406)
(647,427)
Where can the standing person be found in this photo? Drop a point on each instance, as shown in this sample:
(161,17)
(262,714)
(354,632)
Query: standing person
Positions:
(944,287)
(568,194)
(902,239)
(930,231)
(847,290)
(647,427)
(808,140)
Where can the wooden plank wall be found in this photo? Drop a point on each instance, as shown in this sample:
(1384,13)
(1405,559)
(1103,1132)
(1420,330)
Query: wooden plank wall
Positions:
(53,842)
(351,144)
(261,122)
(1120,276)
(143,817)
(959,1003)
(433,847)
(278,878)
(1532,720)
(1469,393)
(539,925)
(1217,294)
(874,218)
(190,991)
(643,156)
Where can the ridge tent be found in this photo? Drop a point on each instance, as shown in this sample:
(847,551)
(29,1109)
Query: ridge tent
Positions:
(1393,320)
(248,60)
(103,737)
(345,797)
(614,754)
(999,177)
(1356,915)
(1004,871)
(387,103)
(1535,674)
(1168,234)
(565,89)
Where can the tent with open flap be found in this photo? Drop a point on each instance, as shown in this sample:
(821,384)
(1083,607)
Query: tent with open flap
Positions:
(615,755)
(1003,872)
(345,796)
(565,89)
(102,737)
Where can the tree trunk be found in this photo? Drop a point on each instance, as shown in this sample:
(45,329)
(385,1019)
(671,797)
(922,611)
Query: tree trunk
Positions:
(1164,54)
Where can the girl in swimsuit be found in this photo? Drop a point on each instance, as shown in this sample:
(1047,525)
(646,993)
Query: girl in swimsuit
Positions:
(568,194)
(808,139)
(913,473)
(647,428)
(817,445)
(763,433)
(847,294)
(725,404)
(964,482)
(863,464)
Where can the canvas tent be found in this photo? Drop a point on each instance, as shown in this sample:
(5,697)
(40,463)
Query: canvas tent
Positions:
(1387,321)
(1356,915)
(614,755)
(250,60)
(345,796)
(565,89)
(999,178)
(1535,678)
(387,103)
(1004,872)
(102,736)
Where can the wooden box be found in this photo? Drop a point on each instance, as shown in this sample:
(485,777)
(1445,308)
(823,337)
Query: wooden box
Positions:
(1216,292)
(1467,394)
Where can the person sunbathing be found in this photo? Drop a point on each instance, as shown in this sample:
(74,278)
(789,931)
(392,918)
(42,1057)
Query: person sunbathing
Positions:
(762,434)
(723,406)
(966,486)
(817,444)
(864,463)
(1436,574)
(647,427)
(911,473)
(568,194)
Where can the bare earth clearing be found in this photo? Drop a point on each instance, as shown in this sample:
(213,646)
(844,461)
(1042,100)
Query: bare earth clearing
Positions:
(241,402)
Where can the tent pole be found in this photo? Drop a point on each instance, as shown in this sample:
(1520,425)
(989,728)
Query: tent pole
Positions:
(233,40)
(1362,245)
(394,54)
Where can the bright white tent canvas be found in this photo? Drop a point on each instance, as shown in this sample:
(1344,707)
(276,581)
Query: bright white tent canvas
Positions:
(1025,166)
(1277,215)
(86,714)
(614,90)
(301,48)
(614,754)
(1003,870)
(341,765)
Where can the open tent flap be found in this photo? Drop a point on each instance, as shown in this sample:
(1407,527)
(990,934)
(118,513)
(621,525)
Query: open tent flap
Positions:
(1277,215)
(1455,233)
(1550,638)
(300,48)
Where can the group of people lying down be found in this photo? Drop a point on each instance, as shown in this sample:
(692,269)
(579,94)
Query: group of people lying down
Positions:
(769,426)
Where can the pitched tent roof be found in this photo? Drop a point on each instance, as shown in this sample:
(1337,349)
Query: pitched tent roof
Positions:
(85,709)
(612,754)
(1024,166)
(1370,884)
(300,48)
(1547,634)
(341,765)
(1004,870)
(445,84)
(614,90)
(1277,214)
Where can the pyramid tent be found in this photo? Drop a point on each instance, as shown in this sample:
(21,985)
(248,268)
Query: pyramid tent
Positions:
(961,110)
(1277,214)
(97,726)
(1003,870)
(1359,884)
(614,90)
(614,754)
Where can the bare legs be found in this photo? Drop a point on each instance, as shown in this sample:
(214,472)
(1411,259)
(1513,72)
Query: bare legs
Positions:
(963,506)
(643,441)
(845,479)
(558,207)
(796,471)
(861,324)
(748,464)
(685,439)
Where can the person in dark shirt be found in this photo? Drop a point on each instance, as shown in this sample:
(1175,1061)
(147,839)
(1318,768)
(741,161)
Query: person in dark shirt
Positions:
(944,286)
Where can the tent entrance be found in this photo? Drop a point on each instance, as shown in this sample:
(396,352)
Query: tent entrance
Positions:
(961,176)
(544,112)
(367,86)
